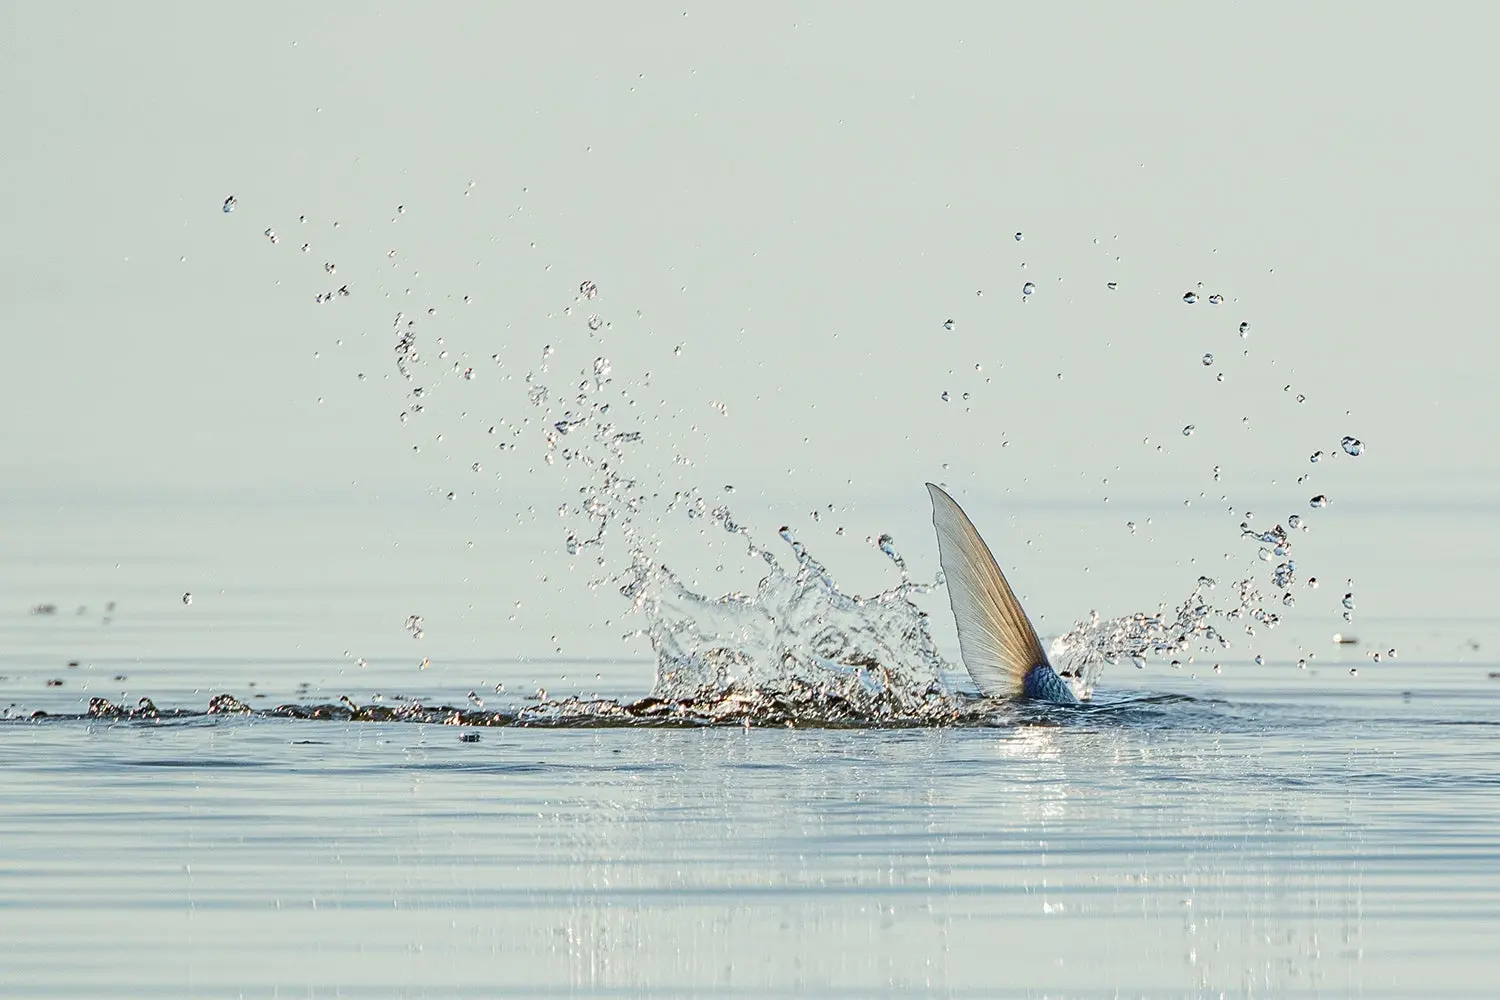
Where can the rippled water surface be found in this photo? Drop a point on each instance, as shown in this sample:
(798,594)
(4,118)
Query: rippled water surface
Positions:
(1269,832)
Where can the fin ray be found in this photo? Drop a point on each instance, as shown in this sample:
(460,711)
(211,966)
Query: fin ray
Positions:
(997,641)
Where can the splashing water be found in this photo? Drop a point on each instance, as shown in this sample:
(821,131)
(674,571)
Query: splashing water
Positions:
(798,643)
(797,648)
(1196,624)
(797,635)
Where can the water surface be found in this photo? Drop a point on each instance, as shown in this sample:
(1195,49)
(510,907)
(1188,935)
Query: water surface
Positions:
(1289,833)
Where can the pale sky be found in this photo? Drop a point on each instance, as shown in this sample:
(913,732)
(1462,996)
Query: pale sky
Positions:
(798,195)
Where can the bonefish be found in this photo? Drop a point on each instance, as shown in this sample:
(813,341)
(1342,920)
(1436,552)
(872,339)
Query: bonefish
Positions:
(999,645)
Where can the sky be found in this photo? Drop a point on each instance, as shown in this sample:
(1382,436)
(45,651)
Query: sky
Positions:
(782,206)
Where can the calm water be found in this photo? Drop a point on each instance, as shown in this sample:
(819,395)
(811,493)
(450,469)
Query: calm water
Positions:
(1268,832)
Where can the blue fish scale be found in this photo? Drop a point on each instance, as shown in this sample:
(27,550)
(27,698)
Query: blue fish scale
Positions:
(1043,684)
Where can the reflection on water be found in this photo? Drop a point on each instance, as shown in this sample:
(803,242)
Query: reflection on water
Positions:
(1312,843)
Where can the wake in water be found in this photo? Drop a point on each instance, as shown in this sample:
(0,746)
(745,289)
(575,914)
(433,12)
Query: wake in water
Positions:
(795,706)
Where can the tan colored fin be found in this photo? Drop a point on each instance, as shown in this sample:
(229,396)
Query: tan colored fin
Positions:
(994,635)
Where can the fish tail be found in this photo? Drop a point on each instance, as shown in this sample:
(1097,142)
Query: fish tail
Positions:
(1000,647)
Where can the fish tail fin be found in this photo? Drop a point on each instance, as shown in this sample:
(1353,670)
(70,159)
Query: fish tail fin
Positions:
(1000,648)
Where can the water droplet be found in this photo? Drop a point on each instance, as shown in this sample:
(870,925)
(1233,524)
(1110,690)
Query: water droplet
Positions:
(1244,329)
(1349,601)
(1315,457)
(1301,664)
(1353,446)
(595,322)
(1260,661)
(1190,297)
(945,395)
(1312,582)
(1318,501)
(1215,299)
(1294,521)
(271,235)
(187,598)
(1188,430)
(588,289)
(1028,288)
(1208,359)
(229,204)
(1020,237)
(947,324)
(1112,285)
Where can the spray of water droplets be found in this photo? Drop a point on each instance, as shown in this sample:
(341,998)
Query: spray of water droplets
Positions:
(796,648)
(798,643)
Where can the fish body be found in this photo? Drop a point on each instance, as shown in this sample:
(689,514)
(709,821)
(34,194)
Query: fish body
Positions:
(1000,647)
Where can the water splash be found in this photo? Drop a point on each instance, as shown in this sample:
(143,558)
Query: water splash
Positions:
(1196,624)
(798,639)
(796,646)
(798,635)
